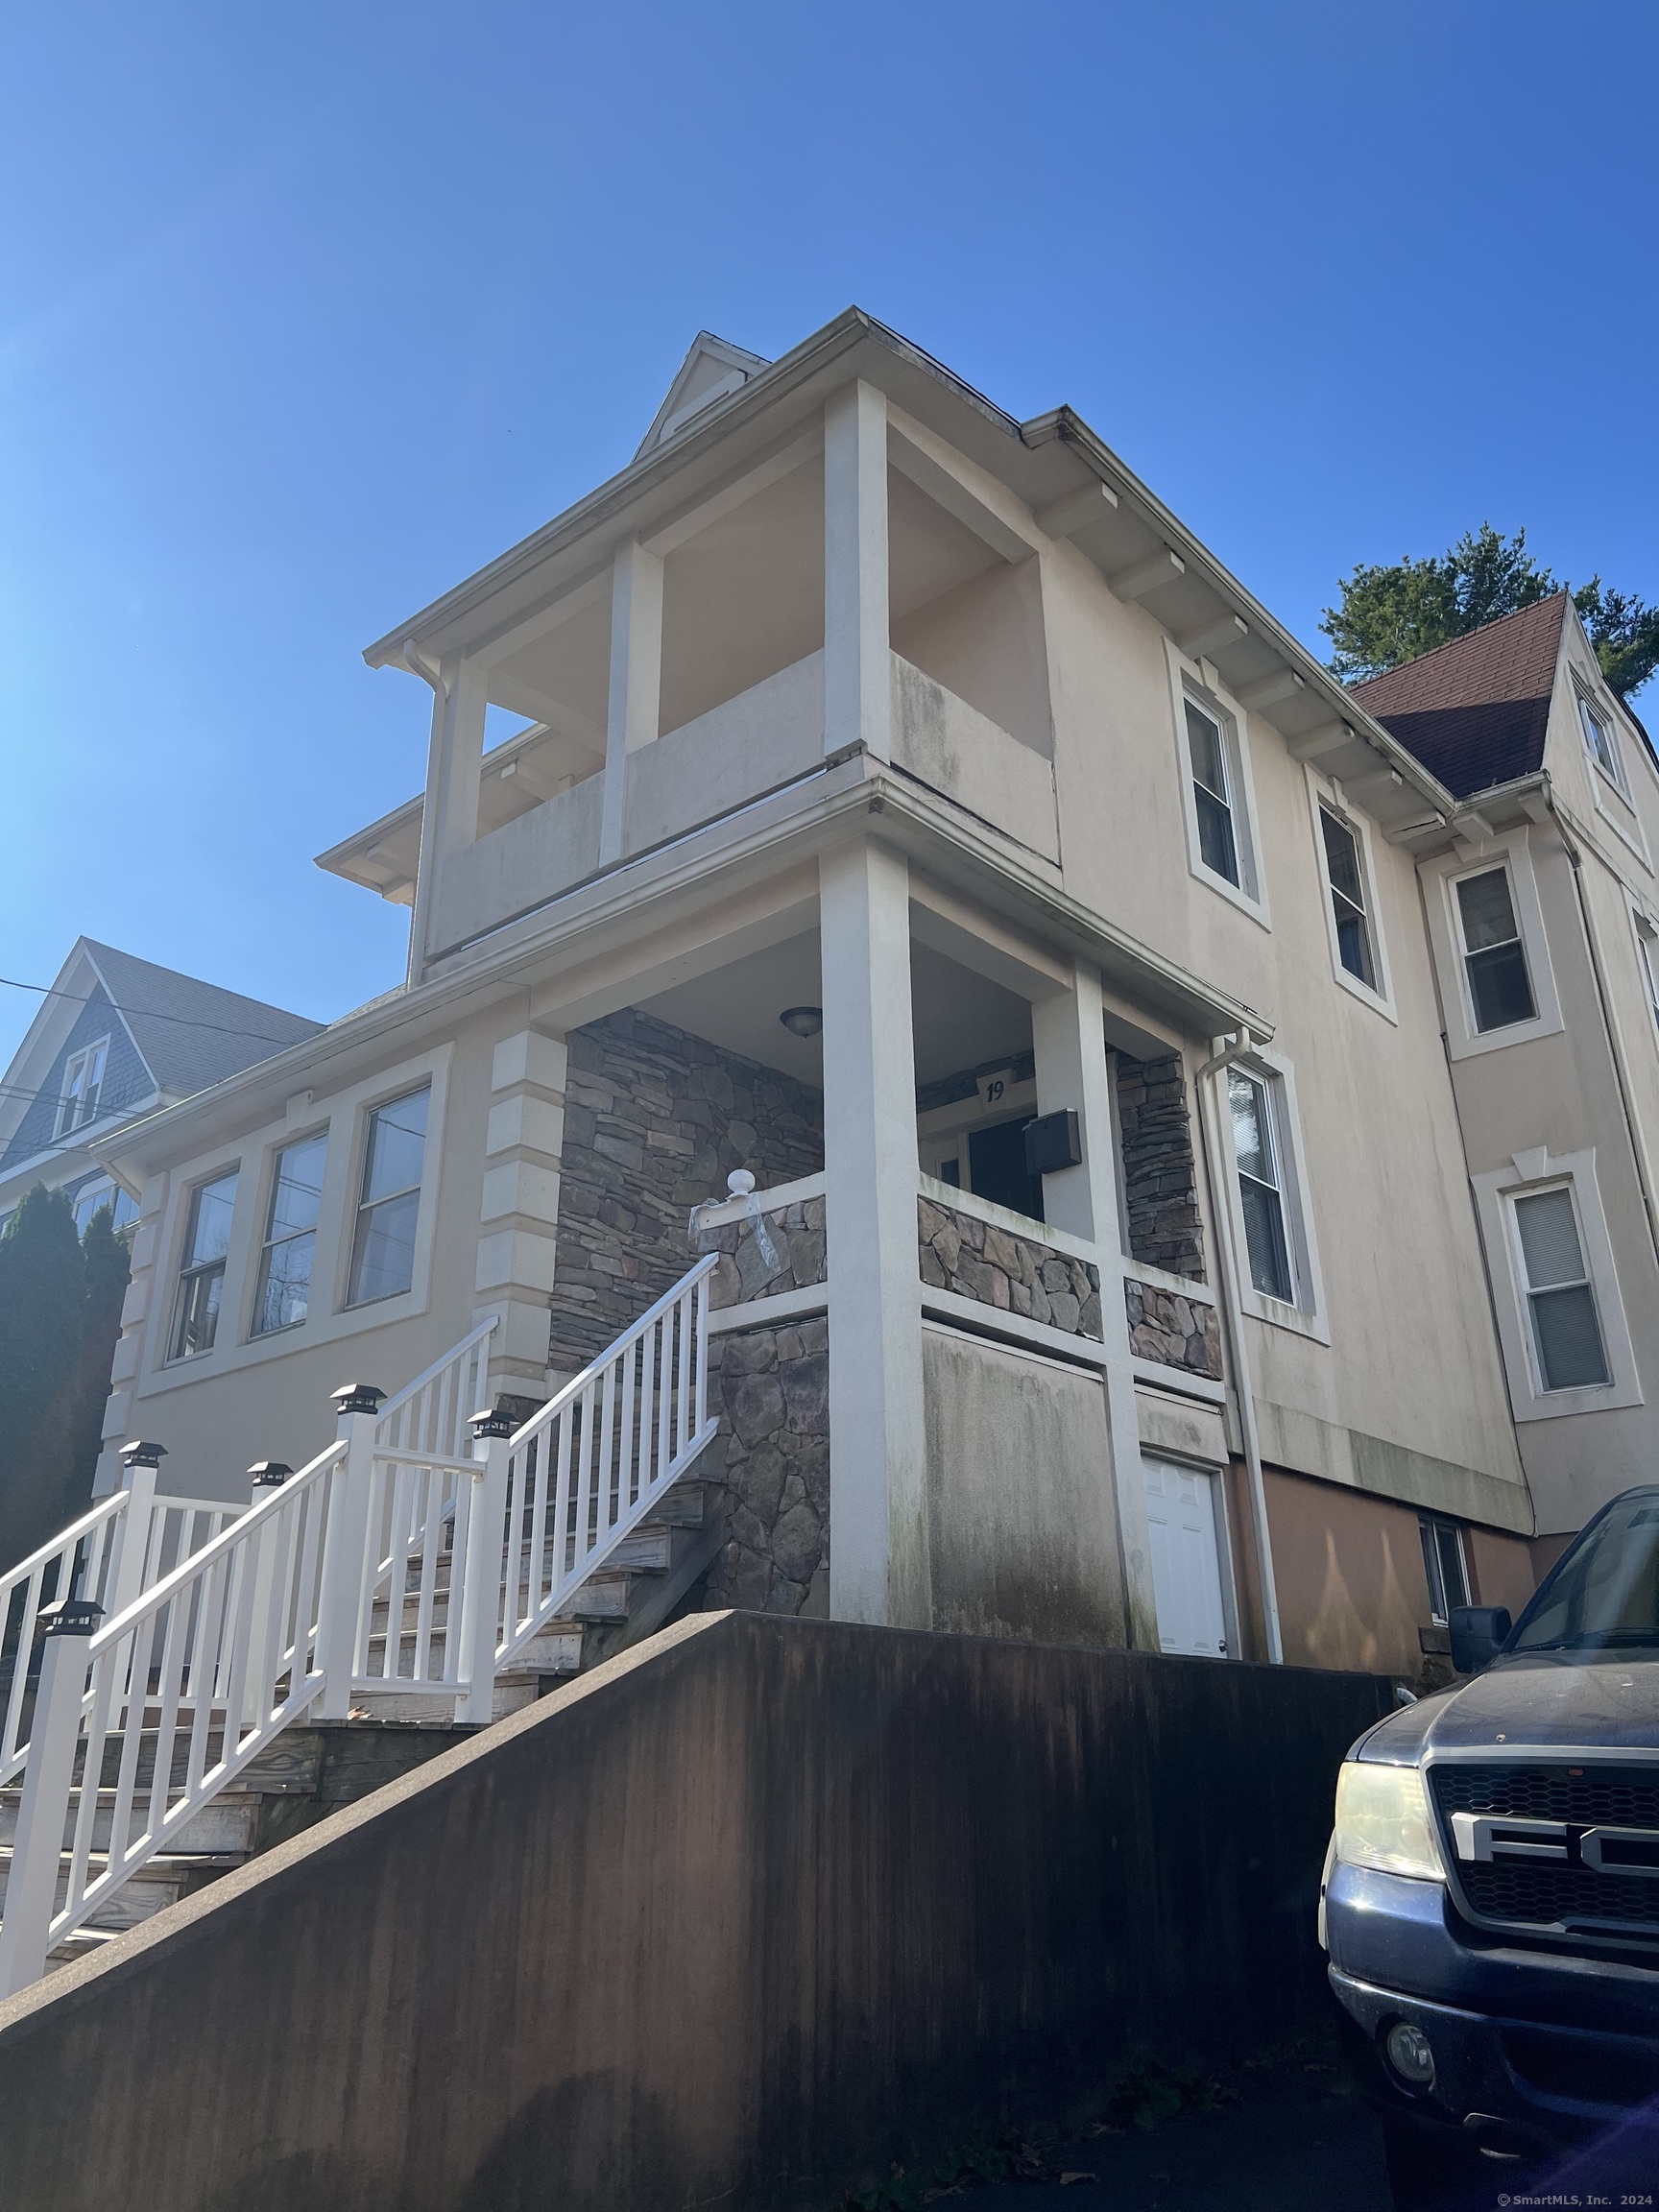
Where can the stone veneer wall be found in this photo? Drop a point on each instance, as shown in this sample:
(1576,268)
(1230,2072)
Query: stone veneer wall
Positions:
(1160,1172)
(768,1473)
(977,1259)
(655,1119)
(1174,1331)
(743,1271)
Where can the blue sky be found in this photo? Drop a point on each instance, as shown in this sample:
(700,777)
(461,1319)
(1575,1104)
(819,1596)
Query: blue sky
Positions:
(306,312)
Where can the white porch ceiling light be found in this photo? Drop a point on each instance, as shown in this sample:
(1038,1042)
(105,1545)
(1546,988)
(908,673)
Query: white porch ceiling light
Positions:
(803,1020)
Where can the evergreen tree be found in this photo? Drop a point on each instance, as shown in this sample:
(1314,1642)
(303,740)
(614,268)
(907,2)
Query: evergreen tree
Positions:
(59,1314)
(1393,612)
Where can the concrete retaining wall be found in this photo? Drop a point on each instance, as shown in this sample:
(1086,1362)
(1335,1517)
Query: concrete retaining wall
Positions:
(741,1917)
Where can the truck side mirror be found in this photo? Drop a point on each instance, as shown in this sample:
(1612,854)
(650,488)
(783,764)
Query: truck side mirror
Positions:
(1478,1633)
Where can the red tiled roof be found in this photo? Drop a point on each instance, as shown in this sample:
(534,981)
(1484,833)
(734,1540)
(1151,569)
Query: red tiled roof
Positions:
(1475,711)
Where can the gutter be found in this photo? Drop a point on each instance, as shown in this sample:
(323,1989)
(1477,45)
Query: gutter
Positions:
(1233,1313)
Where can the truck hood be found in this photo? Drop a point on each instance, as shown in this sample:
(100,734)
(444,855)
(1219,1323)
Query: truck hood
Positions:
(1586,1698)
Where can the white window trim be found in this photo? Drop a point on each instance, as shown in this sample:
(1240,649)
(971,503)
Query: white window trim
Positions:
(62,1125)
(1307,1316)
(1644,930)
(1513,849)
(329,1321)
(1325,793)
(1494,1194)
(1620,815)
(1187,678)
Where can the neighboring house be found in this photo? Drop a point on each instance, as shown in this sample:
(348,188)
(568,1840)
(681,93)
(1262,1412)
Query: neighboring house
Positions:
(1543,914)
(913,813)
(116,1038)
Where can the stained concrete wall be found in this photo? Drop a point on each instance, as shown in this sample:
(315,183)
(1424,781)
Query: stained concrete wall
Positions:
(742,1917)
(1022,1513)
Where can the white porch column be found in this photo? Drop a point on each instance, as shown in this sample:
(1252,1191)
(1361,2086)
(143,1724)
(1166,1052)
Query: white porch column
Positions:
(449,821)
(1069,1040)
(635,680)
(878,1558)
(857,678)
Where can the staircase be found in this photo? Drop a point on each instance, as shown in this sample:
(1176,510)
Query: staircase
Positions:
(430,1571)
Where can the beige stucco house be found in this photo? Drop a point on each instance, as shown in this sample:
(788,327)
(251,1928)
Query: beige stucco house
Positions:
(909,812)
(1542,914)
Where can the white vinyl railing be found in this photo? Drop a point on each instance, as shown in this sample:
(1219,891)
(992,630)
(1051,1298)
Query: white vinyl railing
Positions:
(178,1693)
(111,1552)
(80,1563)
(586,1469)
(420,1489)
(424,1550)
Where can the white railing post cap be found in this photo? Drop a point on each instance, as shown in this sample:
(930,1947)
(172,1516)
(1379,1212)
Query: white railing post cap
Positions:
(138,1453)
(741,1182)
(270,1474)
(489,1421)
(68,1616)
(357,1397)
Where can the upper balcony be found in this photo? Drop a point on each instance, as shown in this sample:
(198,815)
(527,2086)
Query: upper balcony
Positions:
(686,675)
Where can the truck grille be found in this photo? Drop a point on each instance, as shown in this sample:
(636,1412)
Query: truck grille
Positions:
(1557,1894)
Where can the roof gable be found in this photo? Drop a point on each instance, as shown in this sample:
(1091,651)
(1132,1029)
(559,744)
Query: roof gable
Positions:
(193,1034)
(1475,712)
(713,369)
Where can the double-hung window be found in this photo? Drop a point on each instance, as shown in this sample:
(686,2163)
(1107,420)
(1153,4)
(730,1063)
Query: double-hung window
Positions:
(1445,1566)
(1494,958)
(1599,738)
(1212,795)
(389,1199)
(1259,1154)
(284,1295)
(1355,948)
(82,1086)
(1560,1302)
(202,1273)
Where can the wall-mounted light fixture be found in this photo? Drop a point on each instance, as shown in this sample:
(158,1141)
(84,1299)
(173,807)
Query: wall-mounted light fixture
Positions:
(803,1020)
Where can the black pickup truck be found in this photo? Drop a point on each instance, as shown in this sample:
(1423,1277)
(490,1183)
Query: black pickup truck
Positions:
(1491,1899)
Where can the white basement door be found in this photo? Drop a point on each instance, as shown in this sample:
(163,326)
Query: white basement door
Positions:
(1185,1559)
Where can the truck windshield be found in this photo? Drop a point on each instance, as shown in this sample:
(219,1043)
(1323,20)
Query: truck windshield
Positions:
(1606,1592)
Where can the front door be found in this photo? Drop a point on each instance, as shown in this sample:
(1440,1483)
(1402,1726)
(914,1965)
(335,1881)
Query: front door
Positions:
(1185,1559)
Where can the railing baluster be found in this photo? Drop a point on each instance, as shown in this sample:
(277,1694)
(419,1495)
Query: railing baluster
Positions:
(684,1430)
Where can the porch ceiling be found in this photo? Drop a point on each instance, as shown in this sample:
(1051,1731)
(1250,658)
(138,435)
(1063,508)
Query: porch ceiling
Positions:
(960,1019)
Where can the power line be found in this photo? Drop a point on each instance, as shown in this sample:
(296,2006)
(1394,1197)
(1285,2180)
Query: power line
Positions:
(150,1013)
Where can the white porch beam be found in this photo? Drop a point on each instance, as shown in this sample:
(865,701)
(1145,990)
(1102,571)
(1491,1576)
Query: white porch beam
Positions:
(1144,576)
(737,493)
(880,1567)
(635,679)
(857,678)
(526,628)
(948,492)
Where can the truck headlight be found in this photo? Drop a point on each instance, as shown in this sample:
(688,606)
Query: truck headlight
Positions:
(1382,1821)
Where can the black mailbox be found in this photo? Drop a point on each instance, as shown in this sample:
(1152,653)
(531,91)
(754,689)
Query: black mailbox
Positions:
(1052,1142)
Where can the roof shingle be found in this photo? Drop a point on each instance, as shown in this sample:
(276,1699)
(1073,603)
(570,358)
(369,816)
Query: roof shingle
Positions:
(1475,711)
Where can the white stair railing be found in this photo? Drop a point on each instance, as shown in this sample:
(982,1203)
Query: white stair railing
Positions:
(420,1492)
(120,1547)
(163,1706)
(277,1611)
(79,1563)
(589,1467)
